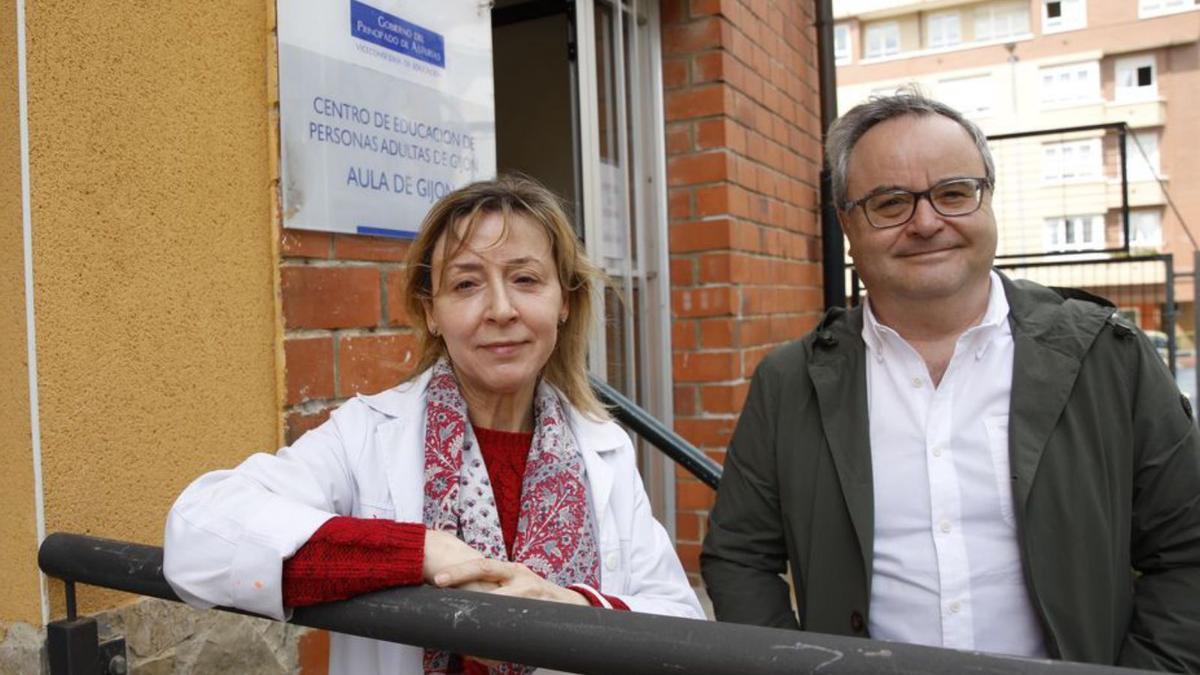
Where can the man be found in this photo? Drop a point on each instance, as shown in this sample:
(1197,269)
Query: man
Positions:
(963,461)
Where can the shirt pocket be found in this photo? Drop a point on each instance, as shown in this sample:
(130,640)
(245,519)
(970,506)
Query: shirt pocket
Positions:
(997,440)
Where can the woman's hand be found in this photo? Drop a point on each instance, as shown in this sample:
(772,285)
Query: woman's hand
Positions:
(511,579)
(444,551)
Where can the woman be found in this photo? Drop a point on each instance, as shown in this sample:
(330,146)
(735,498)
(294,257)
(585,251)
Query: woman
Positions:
(494,468)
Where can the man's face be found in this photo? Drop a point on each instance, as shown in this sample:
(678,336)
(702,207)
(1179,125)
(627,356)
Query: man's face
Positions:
(931,256)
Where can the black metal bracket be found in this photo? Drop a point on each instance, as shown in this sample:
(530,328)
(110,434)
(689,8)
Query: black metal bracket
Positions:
(73,645)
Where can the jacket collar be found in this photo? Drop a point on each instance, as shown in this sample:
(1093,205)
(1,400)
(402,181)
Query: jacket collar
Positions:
(836,368)
(407,401)
(1050,338)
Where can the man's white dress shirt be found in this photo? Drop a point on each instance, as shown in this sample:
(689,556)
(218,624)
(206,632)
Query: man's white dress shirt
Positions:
(947,567)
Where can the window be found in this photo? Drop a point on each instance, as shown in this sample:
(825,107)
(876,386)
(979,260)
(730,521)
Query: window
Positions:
(1072,83)
(1060,15)
(1141,155)
(1136,78)
(972,96)
(1148,8)
(841,44)
(1068,161)
(943,30)
(1145,228)
(996,22)
(1075,233)
(883,39)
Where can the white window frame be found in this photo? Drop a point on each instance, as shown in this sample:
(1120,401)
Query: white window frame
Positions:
(887,32)
(1083,90)
(1126,69)
(1152,8)
(644,167)
(1139,168)
(943,29)
(1152,216)
(978,99)
(1072,16)
(1062,161)
(1014,16)
(1086,230)
(843,47)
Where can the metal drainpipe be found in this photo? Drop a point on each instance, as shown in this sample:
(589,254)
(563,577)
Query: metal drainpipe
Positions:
(832,252)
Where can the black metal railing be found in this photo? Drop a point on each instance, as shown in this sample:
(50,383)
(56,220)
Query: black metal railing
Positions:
(658,434)
(553,635)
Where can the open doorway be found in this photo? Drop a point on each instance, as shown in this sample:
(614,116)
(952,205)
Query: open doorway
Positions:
(579,108)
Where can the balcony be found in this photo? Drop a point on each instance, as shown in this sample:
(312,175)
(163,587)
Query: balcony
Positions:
(1137,114)
(1142,192)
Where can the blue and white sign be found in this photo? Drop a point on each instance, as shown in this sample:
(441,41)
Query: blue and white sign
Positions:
(385,106)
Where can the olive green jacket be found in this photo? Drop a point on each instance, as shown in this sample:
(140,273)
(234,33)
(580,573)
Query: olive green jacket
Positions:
(1105,460)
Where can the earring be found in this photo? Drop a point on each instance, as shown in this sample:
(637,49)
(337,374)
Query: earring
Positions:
(433,331)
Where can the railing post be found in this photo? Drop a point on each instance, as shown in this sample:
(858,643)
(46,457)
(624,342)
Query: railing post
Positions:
(73,645)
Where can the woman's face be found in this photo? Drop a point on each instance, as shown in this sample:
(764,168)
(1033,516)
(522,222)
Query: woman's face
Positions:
(497,305)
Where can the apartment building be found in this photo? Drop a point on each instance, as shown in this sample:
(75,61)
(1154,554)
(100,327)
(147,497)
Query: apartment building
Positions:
(1017,66)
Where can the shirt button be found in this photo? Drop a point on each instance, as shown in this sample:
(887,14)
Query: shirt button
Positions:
(937,452)
(945,526)
(611,560)
(917,383)
(955,607)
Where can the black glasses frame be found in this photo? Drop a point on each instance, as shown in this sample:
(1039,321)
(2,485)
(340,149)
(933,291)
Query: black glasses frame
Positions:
(982,184)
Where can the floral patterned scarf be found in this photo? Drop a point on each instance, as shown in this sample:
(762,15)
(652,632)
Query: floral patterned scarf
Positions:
(556,531)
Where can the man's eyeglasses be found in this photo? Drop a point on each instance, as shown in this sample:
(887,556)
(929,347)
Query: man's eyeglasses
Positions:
(952,197)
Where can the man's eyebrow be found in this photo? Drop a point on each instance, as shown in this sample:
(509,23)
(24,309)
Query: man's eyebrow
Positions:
(880,189)
(887,188)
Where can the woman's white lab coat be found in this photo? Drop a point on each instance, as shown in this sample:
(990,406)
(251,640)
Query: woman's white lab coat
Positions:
(230,531)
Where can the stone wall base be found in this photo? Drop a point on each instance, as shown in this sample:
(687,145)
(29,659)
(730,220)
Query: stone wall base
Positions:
(169,638)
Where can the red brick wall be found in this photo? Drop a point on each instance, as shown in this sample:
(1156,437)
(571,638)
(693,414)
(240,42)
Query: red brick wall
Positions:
(743,166)
(345,328)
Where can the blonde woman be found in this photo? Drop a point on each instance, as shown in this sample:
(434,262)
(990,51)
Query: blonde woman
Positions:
(493,468)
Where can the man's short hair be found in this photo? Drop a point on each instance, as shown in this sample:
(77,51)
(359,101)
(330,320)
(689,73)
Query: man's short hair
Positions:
(849,128)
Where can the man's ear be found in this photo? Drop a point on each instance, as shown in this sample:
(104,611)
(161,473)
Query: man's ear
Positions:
(843,219)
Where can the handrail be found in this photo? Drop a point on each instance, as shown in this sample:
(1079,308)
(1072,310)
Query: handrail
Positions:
(658,434)
(553,635)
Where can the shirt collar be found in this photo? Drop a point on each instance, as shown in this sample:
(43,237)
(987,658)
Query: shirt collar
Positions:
(994,317)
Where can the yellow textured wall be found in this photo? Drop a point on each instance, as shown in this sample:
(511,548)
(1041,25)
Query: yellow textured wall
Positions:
(154,261)
(19,595)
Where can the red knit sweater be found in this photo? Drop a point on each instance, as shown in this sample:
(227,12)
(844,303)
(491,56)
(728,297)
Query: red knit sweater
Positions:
(346,557)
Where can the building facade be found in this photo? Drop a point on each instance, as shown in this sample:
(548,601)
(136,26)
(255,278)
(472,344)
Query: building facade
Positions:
(160,322)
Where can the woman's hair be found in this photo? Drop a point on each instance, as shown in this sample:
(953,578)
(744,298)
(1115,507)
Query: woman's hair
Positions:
(455,218)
